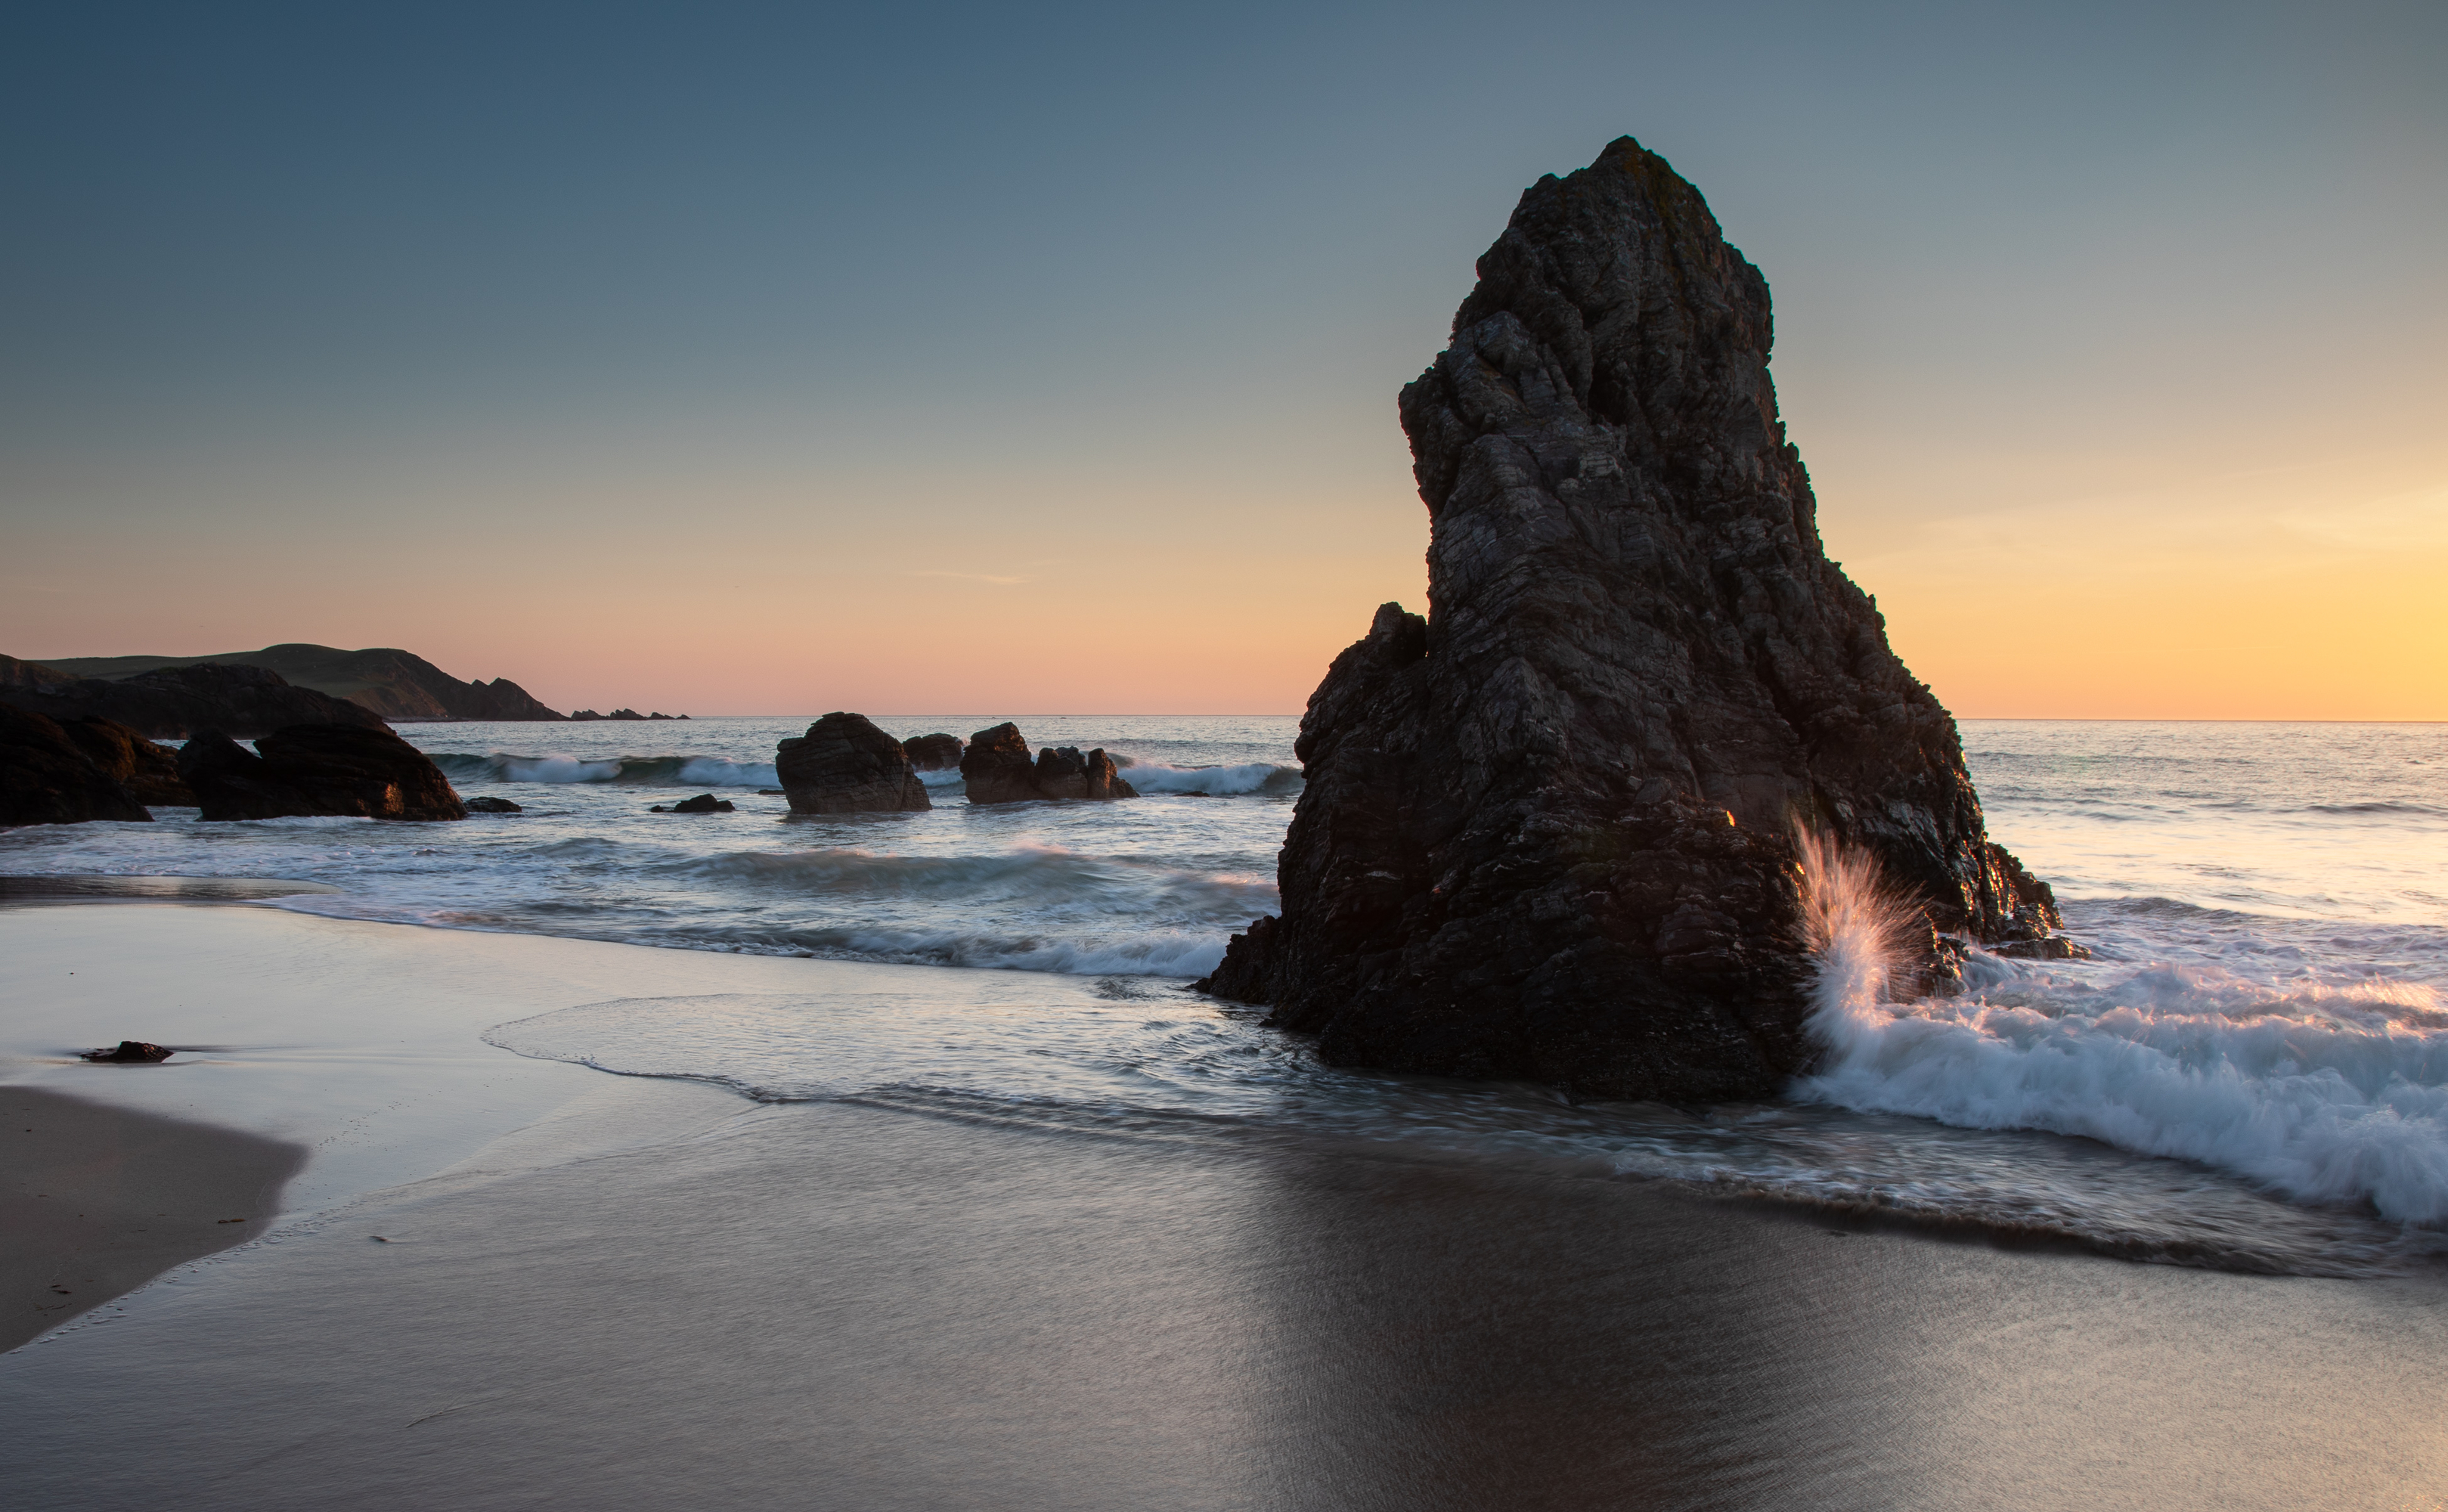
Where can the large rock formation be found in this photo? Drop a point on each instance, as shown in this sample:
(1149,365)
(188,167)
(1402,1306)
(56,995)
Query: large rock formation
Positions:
(844,764)
(45,778)
(1547,833)
(390,682)
(172,703)
(317,769)
(149,772)
(997,769)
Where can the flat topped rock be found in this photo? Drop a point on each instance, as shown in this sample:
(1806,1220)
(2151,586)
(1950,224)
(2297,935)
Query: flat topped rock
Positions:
(1548,833)
(844,764)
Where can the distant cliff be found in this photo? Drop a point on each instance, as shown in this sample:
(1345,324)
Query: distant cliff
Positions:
(172,703)
(1549,831)
(390,682)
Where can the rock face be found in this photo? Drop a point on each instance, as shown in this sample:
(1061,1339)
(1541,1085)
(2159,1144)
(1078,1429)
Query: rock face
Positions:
(1548,832)
(844,764)
(933,752)
(173,702)
(996,769)
(317,769)
(148,772)
(46,778)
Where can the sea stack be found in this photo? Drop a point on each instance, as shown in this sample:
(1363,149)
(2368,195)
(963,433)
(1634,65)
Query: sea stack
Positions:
(844,764)
(1548,832)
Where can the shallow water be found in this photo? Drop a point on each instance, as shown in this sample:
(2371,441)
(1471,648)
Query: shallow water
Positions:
(2252,1071)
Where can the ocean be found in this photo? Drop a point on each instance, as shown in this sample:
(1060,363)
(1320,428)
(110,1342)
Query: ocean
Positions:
(2251,1073)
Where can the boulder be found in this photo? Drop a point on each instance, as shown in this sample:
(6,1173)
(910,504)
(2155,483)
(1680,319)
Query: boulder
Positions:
(933,752)
(493,806)
(844,764)
(1551,832)
(703,803)
(997,767)
(46,776)
(317,769)
(147,771)
(174,702)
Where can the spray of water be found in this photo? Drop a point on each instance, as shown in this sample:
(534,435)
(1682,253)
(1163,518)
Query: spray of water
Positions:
(2314,1093)
(1856,926)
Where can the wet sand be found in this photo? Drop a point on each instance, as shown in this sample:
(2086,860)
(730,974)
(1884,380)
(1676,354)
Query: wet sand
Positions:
(623,1293)
(97,1200)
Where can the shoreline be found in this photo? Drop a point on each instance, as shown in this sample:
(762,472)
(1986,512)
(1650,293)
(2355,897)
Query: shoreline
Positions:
(498,1279)
(96,1201)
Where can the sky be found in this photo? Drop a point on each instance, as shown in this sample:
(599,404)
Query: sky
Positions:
(737,358)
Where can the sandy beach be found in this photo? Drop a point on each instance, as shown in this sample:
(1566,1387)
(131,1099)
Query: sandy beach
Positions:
(499,1281)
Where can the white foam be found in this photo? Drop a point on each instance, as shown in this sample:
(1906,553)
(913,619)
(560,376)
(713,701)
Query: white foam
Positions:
(1249,777)
(2321,1093)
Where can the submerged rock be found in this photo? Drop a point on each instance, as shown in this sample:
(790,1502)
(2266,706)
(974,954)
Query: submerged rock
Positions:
(933,752)
(844,764)
(1549,832)
(317,769)
(493,806)
(130,1052)
(997,770)
(46,778)
(703,803)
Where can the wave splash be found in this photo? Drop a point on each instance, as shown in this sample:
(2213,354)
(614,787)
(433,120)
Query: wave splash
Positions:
(2321,1093)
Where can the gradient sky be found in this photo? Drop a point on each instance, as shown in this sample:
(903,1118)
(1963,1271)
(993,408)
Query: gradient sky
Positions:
(746,358)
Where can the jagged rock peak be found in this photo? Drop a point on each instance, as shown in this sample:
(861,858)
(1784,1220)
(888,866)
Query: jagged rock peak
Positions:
(1547,832)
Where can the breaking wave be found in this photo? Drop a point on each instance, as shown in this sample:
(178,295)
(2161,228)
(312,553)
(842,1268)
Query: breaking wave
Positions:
(2321,1093)
(644,771)
(1215,782)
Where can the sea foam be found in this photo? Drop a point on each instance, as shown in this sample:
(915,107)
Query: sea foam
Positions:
(2320,1092)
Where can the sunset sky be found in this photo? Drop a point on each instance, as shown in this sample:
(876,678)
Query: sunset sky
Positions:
(748,358)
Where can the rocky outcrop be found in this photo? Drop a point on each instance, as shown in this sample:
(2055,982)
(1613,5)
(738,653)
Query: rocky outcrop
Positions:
(390,682)
(16,674)
(997,769)
(46,778)
(844,764)
(128,1052)
(148,772)
(703,803)
(933,752)
(317,769)
(493,806)
(624,714)
(1548,832)
(170,703)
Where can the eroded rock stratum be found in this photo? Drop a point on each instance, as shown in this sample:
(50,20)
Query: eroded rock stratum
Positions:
(1548,831)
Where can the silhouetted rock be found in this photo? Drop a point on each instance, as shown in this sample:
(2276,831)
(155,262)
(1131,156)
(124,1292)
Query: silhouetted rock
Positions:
(997,767)
(933,752)
(844,764)
(703,803)
(622,714)
(317,769)
(46,778)
(1549,833)
(390,682)
(16,674)
(493,806)
(172,703)
(148,772)
(130,1052)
